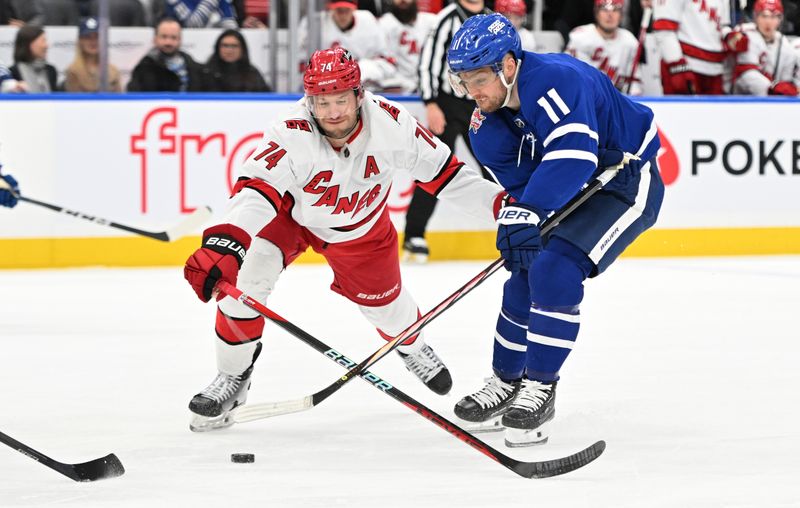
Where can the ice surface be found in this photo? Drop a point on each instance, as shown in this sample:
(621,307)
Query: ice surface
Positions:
(687,368)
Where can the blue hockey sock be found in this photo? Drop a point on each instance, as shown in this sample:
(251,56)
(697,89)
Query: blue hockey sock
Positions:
(556,281)
(510,342)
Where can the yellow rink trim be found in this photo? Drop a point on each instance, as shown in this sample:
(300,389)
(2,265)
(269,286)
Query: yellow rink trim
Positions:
(455,245)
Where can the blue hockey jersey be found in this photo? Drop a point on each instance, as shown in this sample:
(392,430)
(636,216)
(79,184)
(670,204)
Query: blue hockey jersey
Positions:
(545,152)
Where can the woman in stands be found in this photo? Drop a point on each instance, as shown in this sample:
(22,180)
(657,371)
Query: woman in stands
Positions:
(229,68)
(83,74)
(30,52)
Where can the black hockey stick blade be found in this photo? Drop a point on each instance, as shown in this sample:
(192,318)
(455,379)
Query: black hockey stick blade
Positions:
(556,467)
(97,469)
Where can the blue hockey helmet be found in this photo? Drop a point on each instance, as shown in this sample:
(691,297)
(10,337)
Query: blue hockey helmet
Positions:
(483,40)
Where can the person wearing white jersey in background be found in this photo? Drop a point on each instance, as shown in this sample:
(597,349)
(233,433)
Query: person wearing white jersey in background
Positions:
(770,64)
(516,11)
(694,39)
(606,46)
(405,30)
(342,24)
(320,178)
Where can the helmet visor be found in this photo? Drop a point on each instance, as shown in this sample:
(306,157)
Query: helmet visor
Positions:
(465,82)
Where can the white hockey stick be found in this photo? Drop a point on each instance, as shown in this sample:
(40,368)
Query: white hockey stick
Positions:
(179,230)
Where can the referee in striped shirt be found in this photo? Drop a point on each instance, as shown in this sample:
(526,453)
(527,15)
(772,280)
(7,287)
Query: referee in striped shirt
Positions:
(448,113)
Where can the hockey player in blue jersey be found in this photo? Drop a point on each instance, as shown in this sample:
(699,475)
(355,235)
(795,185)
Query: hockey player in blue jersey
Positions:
(545,125)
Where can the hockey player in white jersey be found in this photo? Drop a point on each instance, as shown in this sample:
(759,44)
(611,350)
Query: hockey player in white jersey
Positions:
(606,46)
(320,178)
(694,38)
(516,11)
(770,65)
(343,24)
(405,29)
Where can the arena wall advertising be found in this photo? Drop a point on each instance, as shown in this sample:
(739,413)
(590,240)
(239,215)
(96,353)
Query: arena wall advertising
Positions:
(732,169)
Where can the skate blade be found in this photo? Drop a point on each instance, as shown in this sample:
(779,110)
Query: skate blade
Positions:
(519,438)
(490,425)
(415,259)
(201,423)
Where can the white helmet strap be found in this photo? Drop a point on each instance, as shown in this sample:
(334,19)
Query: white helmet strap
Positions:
(509,86)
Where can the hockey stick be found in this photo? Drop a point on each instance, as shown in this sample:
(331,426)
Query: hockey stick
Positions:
(181,229)
(97,469)
(542,469)
(258,411)
(648,12)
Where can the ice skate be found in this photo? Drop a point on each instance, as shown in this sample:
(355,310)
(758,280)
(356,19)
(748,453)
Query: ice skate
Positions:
(429,368)
(483,409)
(527,419)
(215,406)
(415,250)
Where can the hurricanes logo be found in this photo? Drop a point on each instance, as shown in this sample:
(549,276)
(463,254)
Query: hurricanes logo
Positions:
(476,121)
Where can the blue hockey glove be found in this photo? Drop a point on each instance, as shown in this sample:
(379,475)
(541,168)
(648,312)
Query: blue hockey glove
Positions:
(518,238)
(6,197)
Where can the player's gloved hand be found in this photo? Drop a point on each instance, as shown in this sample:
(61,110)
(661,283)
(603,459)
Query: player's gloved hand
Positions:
(783,88)
(220,258)
(677,78)
(6,197)
(518,237)
(736,42)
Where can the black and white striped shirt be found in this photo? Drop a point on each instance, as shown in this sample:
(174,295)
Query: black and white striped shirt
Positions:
(433,60)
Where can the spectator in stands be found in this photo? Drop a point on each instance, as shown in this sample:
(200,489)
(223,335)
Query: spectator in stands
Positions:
(229,68)
(166,68)
(202,13)
(30,65)
(21,12)
(516,11)
(358,31)
(8,84)
(405,30)
(694,44)
(769,66)
(608,47)
(83,74)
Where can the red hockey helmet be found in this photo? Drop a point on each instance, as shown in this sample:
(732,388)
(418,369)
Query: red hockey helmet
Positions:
(775,6)
(609,4)
(330,71)
(516,7)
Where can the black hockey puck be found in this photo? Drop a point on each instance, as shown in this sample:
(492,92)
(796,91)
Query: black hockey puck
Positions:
(243,458)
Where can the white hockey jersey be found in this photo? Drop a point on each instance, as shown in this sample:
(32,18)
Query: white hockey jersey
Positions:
(758,68)
(340,194)
(364,40)
(403,45)
(614,56)
(693,29)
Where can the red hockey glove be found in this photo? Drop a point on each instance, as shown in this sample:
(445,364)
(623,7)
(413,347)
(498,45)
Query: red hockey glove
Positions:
(220,258)
(677,79)
(783,88)
(736,42)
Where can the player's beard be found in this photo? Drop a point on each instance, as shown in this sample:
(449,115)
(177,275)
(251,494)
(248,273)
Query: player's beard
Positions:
(339,131)
(405,15)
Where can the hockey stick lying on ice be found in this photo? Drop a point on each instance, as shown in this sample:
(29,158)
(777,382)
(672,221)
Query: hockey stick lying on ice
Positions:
(541,469)
(97,469)
(265,410)
(183,228)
